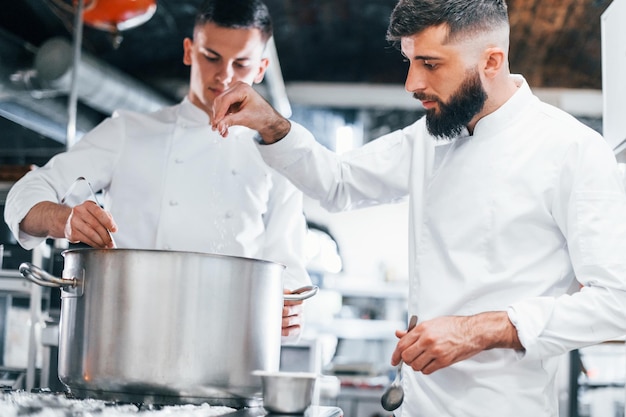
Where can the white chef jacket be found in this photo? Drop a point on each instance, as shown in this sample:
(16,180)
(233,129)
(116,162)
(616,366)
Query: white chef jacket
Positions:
(504,219)
(172,183)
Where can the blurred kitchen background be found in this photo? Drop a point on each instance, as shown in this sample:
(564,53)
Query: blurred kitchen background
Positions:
(333,72)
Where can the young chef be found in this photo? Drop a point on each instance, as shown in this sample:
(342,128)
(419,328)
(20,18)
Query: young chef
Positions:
(511,202)
(169,181)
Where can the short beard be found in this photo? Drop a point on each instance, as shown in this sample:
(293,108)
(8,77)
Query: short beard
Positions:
(464,104)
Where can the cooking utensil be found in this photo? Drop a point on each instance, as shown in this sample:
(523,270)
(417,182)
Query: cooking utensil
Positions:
(287,392)
(93,195)
(394,394)
(309,290)
(156,327)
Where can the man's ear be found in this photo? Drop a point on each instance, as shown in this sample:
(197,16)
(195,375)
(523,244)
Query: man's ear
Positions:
(187,47)
(262,68)
(494,59)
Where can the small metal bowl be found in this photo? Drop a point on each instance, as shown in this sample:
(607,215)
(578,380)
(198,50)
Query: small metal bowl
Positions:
(287,392)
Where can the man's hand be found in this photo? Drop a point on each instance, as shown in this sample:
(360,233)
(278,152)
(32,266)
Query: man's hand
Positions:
(86,223)
(90,224)
(242,105)
(440,342)
(292,318)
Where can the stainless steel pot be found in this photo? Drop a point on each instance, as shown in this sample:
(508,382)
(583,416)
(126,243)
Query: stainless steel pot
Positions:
(163,327)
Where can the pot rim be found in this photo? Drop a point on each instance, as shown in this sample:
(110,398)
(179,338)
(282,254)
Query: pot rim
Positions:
(181,252)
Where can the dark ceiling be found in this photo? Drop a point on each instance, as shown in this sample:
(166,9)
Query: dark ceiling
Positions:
(555,43)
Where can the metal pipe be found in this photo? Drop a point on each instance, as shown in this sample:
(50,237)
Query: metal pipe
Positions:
(73,97)
(100,85)
(34,337)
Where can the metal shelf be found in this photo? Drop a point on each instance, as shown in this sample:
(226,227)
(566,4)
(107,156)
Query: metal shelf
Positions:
(13,283)
(361,329)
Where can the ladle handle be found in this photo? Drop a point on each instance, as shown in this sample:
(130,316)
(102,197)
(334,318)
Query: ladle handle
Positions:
(412,323)
(302,293)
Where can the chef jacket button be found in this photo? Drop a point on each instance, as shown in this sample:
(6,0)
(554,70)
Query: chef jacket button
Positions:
(173,203)
(234,172)
(178,160)
(229,214)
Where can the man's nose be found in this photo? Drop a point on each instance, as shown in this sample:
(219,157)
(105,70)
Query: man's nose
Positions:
(415,80)
(225,74)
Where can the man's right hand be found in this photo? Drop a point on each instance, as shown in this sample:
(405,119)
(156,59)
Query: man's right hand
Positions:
(86,223)
(241,105)
(442,341)
(90,224)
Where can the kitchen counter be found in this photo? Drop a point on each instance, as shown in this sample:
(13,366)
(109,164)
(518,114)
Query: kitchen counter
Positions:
(26,404)
(313,411)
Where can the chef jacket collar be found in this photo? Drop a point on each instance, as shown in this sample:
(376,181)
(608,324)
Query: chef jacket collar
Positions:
(498,120)
(191,113)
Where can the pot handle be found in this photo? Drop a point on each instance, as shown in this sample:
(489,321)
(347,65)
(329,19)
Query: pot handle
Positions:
(43,278)
(302,293)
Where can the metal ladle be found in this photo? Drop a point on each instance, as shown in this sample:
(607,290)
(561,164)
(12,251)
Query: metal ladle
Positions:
(394,394)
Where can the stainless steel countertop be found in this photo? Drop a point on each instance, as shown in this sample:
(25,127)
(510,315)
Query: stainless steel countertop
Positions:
(313,411)
(46,404)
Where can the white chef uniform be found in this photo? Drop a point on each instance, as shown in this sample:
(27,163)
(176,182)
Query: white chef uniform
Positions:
(504,219)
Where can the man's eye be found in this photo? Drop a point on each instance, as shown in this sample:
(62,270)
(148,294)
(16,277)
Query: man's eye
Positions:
(211,58)
(430,65)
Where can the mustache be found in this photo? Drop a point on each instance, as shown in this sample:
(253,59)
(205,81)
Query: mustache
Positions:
(425,97)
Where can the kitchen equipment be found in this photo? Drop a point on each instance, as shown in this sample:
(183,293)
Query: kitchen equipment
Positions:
(117,15)
(287,392)
(156,327)
(394,394)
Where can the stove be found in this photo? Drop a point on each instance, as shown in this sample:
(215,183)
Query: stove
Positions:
(17,403)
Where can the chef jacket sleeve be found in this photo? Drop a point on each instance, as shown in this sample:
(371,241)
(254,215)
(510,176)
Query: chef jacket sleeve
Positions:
(92,157)
(590,209)
(285,232)
(375,173)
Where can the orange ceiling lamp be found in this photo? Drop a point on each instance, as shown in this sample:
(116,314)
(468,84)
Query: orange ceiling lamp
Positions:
(118,15)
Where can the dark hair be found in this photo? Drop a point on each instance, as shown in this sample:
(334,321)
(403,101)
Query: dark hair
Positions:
(463,17)
(236,14)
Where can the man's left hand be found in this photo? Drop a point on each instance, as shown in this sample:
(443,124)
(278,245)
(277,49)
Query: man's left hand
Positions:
(292,318)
